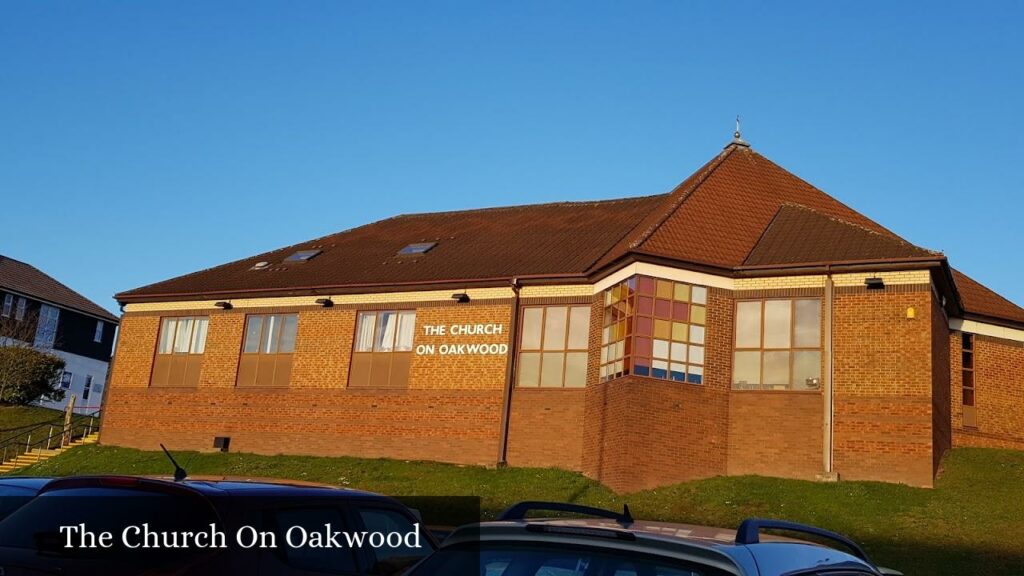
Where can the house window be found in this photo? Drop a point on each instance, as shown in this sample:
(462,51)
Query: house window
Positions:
(553,346)
(967,368)
(97,336)
(87,389)
(66,379)
(778,345)
(179,351)
(654,328)
(46,327)
(19,310)
(267,350)
(382,351)
(8,304)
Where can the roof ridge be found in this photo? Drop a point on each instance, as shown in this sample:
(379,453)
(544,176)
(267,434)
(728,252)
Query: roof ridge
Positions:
(702,175)
(524,206)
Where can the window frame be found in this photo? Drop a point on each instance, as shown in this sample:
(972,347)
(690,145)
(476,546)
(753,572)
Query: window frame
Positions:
(541,350)
(70,379)
(968,362)
(792,349)
(97,335)
(20,308)
(87,387)
(364,365)
(253,366)
(8,305)
(179,369)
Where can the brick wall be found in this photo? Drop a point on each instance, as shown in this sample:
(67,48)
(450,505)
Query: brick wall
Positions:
(999,393)
(546,428)
(776,434)
(883,384)
(451,411)
(942,431)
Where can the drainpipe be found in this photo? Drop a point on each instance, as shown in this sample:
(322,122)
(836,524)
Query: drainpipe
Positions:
(510,373)
(827,443)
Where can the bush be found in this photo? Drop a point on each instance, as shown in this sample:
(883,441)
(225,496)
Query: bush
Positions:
(28,375)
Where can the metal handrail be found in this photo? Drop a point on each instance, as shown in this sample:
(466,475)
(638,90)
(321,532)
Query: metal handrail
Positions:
(13,447)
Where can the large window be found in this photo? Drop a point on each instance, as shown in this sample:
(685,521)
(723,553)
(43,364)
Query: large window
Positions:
(654,328)
(382,351)
(19,309)
(179,351)
(778,345)
(46,327)
(553,346)
(97,335)
(8,304)
(970,414)
(267,350)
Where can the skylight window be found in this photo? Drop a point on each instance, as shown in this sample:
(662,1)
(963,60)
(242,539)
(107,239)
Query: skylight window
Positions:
(417,248)
(303,256)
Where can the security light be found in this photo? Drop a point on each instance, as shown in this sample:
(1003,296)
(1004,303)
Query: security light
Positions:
(325,302)
(460,297)
(224,305)
(874,283)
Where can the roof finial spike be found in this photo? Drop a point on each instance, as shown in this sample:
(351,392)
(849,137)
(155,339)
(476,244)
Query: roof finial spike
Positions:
(737,139)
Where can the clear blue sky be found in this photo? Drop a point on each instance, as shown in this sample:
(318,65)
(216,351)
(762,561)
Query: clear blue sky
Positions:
(142,140)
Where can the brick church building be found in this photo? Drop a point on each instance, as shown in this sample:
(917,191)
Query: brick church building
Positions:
(743,323)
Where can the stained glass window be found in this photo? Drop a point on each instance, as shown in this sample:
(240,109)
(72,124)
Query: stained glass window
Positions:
(654,328)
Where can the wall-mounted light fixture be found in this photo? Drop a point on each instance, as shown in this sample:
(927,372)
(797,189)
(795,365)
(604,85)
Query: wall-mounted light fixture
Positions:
(325,302)
(224,305)
(874,283)
(460,297)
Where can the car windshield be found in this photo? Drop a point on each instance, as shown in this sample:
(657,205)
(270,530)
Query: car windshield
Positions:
(538,559)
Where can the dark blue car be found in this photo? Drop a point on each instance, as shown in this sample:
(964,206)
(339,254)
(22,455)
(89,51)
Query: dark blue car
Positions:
(32,541)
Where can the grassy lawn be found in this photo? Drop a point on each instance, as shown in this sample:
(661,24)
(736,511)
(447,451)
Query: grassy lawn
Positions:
(16,423)
(969,524)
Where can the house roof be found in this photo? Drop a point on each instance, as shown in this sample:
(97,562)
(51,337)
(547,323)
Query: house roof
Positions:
(535,240)
(739,210)
(17,276)
(980,300)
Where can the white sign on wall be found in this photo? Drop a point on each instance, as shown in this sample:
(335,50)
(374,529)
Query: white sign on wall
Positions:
(463,348)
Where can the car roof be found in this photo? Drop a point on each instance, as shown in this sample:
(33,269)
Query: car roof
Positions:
(27,482)
(222,486)
(704,543)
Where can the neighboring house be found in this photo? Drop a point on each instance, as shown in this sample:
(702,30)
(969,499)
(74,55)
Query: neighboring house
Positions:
(37,310)
(743,323)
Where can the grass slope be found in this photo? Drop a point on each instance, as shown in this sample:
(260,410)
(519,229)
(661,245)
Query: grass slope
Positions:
(969,524)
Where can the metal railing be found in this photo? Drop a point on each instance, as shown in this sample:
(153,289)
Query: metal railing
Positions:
(48,435)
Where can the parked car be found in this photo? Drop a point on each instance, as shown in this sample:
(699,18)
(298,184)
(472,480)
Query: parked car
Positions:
(31,542)
(16,491)
(614,544)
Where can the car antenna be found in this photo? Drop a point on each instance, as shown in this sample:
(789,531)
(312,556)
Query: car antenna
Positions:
(179,472)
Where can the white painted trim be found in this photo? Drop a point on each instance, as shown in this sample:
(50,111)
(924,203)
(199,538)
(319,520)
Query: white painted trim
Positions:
(665,272)
(983,329)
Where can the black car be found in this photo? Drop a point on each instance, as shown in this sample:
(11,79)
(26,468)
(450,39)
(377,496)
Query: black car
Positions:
(118,525)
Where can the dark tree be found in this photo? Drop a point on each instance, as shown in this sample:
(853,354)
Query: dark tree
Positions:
(28,375)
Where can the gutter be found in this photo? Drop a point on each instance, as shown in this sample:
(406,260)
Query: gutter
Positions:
(510,374)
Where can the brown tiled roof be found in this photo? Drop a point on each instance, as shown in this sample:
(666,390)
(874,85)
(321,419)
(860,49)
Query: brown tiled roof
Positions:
(26,279)
(799,235)
(545,239)
(980,300)
(720,217)
(739,210)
